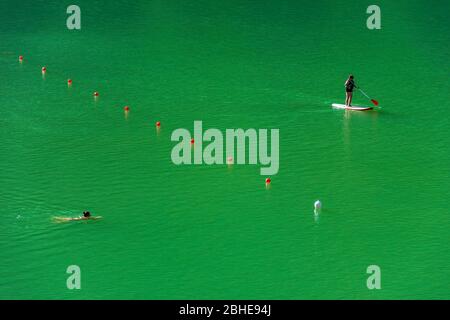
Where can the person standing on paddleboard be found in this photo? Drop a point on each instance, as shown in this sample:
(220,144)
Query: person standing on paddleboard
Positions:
(349,86)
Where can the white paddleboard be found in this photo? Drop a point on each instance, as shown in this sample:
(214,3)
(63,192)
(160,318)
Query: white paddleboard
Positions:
(356,108)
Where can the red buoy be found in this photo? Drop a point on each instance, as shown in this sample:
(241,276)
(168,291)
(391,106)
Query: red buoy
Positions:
(158,124)
(20,58)
(69,82)
(192,141)
(44,69)
(95,94)
(127,108)
(268,181)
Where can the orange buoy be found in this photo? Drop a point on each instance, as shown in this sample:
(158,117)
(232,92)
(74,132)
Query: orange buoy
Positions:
(69,82)
(158,124)
(192,141)
(268,181)
(95,94)
(230,160)
(127,108)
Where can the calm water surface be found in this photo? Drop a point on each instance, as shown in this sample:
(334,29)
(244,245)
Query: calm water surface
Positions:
(196,232)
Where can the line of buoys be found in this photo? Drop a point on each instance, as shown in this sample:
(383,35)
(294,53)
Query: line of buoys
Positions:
(70,82)
(158,125)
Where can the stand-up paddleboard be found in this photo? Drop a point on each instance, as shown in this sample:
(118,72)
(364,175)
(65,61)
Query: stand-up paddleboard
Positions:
(356,108)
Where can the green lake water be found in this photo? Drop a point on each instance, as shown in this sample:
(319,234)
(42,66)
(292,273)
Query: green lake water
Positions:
(216,232)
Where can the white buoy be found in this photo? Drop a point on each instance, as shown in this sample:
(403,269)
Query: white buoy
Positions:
(317,206)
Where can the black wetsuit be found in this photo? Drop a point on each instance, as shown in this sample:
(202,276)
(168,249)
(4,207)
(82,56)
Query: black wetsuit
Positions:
(349,85)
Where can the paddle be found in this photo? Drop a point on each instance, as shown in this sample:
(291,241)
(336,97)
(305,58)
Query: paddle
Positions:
(375,102)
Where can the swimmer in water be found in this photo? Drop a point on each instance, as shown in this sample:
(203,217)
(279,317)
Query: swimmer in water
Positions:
(86,216)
